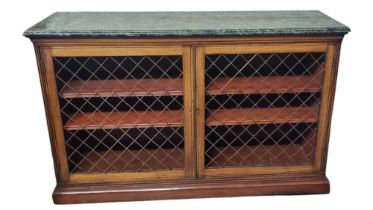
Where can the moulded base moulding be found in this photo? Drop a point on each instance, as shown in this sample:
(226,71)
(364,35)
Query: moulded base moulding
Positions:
(192,188)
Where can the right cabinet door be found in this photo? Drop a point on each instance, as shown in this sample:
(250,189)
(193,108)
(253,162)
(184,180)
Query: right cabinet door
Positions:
(258,108)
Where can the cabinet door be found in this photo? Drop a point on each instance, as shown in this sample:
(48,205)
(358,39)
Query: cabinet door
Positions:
(124,111)
(258,108)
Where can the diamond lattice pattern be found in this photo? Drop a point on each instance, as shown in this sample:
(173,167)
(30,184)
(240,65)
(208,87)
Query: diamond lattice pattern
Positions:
(262,109)
(122,114)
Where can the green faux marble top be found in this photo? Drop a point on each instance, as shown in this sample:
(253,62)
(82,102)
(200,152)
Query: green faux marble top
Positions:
(182,24)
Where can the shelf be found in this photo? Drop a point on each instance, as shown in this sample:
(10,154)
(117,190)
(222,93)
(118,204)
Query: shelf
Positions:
(262,116)
(263,85)
(133,160)
(261,155)
(110,120)
(131,87)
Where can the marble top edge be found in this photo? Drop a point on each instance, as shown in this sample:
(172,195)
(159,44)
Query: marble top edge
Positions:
(182,24)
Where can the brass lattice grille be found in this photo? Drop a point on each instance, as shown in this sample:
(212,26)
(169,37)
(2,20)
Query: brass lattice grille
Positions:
(262,109)
(122,114)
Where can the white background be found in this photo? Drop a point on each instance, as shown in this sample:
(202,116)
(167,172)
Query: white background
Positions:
(27,177)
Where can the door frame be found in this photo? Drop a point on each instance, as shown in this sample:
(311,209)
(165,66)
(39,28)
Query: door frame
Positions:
(45,56)
(325,106)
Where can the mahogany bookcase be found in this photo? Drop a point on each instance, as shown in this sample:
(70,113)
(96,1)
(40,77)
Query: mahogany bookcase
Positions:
(164,105)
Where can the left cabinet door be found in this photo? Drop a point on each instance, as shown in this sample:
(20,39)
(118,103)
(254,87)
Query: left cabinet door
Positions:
(123,111)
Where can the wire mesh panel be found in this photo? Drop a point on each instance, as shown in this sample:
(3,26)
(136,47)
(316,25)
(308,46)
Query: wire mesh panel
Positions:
(262,109)
(122,113)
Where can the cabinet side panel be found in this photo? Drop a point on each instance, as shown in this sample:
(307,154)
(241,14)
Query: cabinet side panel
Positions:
(52,110)
(326,109)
